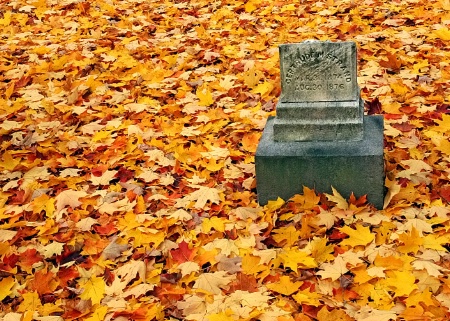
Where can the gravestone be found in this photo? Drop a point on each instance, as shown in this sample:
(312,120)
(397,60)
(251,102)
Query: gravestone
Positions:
(320,136)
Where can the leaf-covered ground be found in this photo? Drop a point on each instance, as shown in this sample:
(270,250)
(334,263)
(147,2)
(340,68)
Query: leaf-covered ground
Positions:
(127,189)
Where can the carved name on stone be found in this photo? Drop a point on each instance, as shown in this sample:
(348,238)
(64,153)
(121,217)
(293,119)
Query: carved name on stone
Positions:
(318,71)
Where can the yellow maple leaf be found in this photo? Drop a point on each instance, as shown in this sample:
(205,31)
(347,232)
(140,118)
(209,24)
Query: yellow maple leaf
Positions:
(251,265)
(333,315)
(213,282)
(217,223)
(403,282)
(6,20)
(205,96)
(333,270)
(288,234)
(294,259)
(94,289)
(5,287)
(399,88)
(338,199)
(250,141)
(434,242)
(263,89)
(274,205)
(221,316)
(360,236)
(442,33)
(252,77)
(307,297)
(412,241)
(308,200)
(44,203)
(98,314)
(320,251)
(444,124)
(418,297)
(9,163)
(284,285)
(203,195)
(250,6)
(30,302)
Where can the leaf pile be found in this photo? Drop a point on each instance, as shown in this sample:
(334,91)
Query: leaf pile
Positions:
(128,131)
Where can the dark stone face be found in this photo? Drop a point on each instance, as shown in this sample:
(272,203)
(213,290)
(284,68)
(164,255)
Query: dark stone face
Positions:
(318,71)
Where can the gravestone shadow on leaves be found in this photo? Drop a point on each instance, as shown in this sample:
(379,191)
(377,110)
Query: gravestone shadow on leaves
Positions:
(320,136)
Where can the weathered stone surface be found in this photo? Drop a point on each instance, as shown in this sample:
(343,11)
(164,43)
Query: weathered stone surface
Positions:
(315,71)
(320,136)
(291,130)
(283,168)
(320,97)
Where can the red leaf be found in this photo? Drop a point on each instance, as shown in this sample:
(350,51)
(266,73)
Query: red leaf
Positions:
(67,274)
(29,257)
(373,107)
(124,174)
(107,229)
(404,127)
(244,282)
(183,253)
(337,235)
(392,63)
(408,109)
(444,192)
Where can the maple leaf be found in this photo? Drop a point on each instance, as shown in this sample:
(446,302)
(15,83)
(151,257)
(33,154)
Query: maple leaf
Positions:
(205,96)
(213,282)
(69,198)
(288,234)
(44,282)
(98,314)
(360,236)
(333,270)
(9,163)
(308,297)
(94,289)
(6,285)
(403,282)
(183,253)
(338,199)
(412,241)
(30,302)
(392,63)
(320,251)
(325,315)
(203,195)
(284,285)
(292,258)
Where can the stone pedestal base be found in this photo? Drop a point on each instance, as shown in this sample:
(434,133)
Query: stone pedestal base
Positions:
(283,168)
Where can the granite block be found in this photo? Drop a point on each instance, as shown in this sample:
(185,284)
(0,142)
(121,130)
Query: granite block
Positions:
(283,168)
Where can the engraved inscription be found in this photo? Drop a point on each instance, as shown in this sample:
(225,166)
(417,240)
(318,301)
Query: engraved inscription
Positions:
(309,81)
(318,72)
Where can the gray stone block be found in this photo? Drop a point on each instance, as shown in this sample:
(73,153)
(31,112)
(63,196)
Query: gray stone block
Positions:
(315,71)
(283,168)
(332,110)
(288,130)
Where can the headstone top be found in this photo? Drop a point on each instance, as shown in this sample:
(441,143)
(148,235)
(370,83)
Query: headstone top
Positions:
(314,71)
